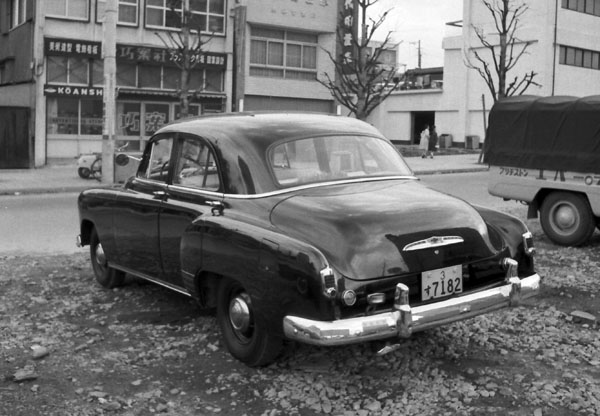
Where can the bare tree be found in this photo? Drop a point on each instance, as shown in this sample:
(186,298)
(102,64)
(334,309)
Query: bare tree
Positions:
(186,47)
(504,54)
(361,82)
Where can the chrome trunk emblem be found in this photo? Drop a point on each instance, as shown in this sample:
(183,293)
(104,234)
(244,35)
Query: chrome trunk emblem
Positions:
(433,242)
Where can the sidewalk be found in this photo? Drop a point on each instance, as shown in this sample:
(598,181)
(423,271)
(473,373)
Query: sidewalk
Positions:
(62,176)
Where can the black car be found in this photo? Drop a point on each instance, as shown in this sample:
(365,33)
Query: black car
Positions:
(302,226)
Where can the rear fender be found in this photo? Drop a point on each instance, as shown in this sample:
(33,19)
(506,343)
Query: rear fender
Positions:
(280,273)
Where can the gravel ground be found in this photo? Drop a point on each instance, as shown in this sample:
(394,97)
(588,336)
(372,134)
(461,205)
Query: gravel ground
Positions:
(68,347)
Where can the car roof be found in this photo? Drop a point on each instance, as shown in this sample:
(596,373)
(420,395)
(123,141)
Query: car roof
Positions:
(263,129)
(241,141)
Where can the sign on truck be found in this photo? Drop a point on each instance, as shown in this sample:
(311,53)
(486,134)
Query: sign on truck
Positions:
(545,152)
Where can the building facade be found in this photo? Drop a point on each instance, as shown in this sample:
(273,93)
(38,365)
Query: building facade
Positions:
(261,55)
(564,54)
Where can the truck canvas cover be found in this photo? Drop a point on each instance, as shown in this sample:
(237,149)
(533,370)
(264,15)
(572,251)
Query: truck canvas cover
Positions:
(554,133)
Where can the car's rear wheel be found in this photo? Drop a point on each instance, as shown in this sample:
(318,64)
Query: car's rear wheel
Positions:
(567,218)
(245,335)
(105,275)
(83,173)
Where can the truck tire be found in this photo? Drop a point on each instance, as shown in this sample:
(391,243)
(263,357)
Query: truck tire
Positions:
(567,218)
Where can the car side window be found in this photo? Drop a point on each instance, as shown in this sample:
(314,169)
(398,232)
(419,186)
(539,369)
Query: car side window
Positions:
(160,155)
(196,166)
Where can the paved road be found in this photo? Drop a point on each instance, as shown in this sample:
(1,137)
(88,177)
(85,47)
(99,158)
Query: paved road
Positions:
(45,223)
(48,223)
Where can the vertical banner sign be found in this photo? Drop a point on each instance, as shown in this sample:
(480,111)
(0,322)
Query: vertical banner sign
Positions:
(348,32)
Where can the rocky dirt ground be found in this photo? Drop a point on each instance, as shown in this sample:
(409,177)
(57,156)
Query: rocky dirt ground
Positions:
(69,347)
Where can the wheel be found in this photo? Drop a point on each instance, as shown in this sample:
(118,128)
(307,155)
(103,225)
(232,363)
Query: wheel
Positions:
(567,219)
(105,275)
(245,335)
(83,173)
(96,169)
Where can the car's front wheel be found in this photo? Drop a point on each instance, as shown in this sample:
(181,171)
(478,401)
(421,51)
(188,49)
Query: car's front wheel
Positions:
(105,275)
(245,335)
(567,218)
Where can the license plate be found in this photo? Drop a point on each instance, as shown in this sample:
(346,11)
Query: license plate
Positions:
(441,282)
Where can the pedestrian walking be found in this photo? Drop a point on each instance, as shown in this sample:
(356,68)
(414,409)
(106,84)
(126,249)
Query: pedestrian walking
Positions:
(433,141)
(424,141)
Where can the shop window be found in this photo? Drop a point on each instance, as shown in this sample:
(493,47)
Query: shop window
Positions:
(155,116)
(126,75)
(98,73)
(127,15)
(193,110)
(63,116)
(207,15)
(283,54)
(18,12)
(67,70)
(91,117)
(214,80)
(149,76)
(70,9)
(171,78)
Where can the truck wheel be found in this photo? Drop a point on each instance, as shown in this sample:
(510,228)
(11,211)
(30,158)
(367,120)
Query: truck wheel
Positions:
(83,173)
(567,219)
(105,275)
(246,337)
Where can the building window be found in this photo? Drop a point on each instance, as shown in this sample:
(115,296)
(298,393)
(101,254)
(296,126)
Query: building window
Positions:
(69,9)
(18,11)
(579,57)
(283,54)
(208,16)
(583,6)
(167,77)
(68,70)
(128,12)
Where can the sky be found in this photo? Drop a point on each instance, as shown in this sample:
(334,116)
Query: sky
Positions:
(424,20)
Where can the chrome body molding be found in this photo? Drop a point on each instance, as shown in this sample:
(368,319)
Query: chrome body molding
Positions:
(433,242)
(404,320)
(150,279)
(281,191)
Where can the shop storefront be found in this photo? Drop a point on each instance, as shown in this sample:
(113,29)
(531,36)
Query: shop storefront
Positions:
(147,81)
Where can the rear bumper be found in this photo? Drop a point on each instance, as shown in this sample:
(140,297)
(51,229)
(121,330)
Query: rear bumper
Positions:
(403,320)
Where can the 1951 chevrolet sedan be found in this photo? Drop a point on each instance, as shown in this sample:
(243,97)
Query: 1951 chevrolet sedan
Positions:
(302,226)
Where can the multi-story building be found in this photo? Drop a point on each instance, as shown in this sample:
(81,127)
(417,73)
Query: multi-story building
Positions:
(564,54)
(262,55)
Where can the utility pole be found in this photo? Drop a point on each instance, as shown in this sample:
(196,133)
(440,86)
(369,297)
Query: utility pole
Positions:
(418,52)
(110,69)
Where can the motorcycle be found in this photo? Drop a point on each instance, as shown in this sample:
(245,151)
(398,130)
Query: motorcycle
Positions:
(89,165)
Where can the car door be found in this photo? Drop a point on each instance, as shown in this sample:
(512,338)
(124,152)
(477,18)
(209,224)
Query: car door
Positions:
(195,193)
(136,221)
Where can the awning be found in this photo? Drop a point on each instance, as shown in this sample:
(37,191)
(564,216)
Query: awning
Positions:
(166,93)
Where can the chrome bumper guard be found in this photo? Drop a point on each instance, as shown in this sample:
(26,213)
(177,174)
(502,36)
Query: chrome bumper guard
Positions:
(404,320)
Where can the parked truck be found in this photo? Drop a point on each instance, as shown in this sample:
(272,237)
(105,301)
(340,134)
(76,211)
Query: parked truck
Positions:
(545,152)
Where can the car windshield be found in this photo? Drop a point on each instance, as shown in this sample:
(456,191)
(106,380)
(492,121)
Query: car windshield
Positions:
(330,158)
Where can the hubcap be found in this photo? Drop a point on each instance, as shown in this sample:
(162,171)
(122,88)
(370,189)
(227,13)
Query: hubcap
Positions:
(239,314)
(100,257)
(565,217)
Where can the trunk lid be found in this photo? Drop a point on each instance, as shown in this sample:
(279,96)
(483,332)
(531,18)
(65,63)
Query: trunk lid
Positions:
(366,229)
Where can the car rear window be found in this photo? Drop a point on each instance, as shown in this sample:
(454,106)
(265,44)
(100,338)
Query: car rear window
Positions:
(331,158)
